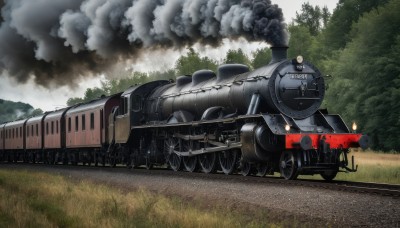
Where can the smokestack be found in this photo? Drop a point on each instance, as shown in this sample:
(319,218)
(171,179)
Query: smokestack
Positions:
(278,54)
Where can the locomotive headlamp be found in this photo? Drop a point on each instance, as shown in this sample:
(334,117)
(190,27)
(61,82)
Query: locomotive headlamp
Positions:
(287,127)
(354,126)
(299,59)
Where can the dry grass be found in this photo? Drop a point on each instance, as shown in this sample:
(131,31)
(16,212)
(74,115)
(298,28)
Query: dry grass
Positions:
(44,200)
(372,167)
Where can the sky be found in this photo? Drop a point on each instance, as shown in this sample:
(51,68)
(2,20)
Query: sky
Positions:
(55,98)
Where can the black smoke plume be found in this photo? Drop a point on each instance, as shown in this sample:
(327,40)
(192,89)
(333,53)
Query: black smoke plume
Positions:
(58,41)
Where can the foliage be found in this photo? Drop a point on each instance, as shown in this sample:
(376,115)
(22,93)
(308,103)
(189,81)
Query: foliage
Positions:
(301,41)
(367,77)
(10,111)
(191,62)
(237,56)
(312,18)
(261,57)
(337,32)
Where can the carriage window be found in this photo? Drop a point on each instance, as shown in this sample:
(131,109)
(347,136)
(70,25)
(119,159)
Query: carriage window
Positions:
(13,133)
(37,130)
(32,130)
(101,119)
(92,120)
(83,122)
(52,127)
(76,123)
(27,131)
(136,103)
(69,124)
(124,106)
(16,135)
(47,128)
(57,127)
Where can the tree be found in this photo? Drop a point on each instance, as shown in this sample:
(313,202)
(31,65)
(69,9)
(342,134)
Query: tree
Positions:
(300,41)
(326,15)
(95,93)
(261,57)
(309,17)
(166,75)
(366,85)
(74,101)
(337,32)
(119,85)
(36,112)
(191,62)
(237,56)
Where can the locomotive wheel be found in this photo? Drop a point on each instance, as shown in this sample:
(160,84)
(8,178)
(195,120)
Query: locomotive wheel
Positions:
(132,161)
(227,160)
(262,169)
(148,164)
(329,175)
(170,145)
(113,161)
(190,163)
(288,165)
(245,168)
(208,162)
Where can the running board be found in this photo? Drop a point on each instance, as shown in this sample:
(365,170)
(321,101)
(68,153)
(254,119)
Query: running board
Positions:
(208,150)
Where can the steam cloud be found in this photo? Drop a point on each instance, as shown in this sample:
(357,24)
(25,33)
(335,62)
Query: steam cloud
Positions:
(59,41)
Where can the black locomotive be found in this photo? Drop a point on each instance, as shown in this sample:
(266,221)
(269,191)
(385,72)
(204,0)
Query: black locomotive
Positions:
(262,121)
(259,122)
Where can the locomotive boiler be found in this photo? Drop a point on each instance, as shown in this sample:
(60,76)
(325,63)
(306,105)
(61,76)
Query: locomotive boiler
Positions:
(291,87)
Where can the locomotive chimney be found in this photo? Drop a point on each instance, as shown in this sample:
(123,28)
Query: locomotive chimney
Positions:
(278,54)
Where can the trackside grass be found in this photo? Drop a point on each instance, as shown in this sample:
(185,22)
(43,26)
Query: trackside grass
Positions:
(42,200)
(372,167)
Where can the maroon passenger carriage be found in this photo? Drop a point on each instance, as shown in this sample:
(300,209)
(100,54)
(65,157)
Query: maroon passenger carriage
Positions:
(34,138)
(87,131)
(14,142)
(2,141)
(54,137)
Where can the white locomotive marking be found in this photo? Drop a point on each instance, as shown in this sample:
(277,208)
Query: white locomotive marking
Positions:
(298,76)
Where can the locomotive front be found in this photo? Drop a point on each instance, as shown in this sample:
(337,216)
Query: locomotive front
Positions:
(295,87)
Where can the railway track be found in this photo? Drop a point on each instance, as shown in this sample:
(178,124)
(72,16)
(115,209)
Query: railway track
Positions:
(390,190)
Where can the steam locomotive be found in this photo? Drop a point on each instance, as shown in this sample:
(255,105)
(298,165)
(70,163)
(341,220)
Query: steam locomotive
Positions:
(253,122)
